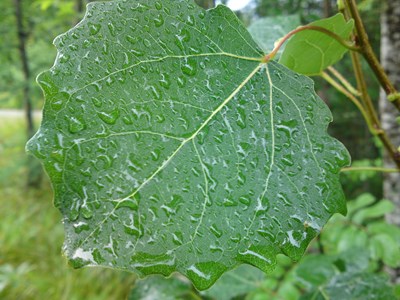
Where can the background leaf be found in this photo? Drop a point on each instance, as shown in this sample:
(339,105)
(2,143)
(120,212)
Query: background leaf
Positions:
(266,31)
(158,287)
(149,109)
(309,52)
(238,282)
(375,211)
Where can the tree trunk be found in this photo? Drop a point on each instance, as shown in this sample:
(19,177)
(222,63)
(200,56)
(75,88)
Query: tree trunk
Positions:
(34,169)
(22,35)
(390,58)
(327,8)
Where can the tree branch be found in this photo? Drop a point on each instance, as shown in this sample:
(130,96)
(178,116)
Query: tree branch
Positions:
(369,55)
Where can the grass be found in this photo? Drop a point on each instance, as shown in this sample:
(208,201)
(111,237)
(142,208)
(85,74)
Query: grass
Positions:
(31,237)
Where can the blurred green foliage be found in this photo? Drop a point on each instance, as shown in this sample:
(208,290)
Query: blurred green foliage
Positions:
(31,236)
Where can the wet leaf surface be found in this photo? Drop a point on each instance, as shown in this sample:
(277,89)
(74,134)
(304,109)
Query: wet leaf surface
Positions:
(171,147)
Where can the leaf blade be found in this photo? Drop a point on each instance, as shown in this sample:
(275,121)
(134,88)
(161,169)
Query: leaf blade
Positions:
(140,140)
(310,52)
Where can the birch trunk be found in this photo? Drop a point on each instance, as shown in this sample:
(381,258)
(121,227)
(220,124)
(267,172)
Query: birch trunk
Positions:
(390,58)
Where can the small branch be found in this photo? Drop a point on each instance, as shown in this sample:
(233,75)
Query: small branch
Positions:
(344,81)
(374,169)
(352,98)
(370,56)
(370,110)
(347,44)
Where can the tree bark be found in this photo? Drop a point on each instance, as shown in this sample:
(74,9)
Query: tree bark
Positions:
(327,8)
(22,36)
(34,169)
(390,58)
(79,6)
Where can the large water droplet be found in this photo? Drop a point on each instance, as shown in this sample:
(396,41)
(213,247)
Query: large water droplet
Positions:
(111,28)
(158,5)
(109,117)
(190,67)
(80,226)
(159,20)
(76,125)
(216,231)
(94,28)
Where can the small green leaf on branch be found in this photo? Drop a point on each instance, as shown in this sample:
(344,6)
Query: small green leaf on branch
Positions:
(309,52)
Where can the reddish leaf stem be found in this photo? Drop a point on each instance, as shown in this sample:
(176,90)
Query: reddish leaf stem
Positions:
(340,40)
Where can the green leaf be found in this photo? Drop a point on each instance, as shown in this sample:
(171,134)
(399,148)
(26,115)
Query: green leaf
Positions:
(362,286)
(360,202)
(351,237)
(309,52)
(171,147)
(376,211)
(348,286)
(315,270)
(387,249)
(235,283)
(266,31)
(354,260)
(157,287)
(321,278)
(382,227)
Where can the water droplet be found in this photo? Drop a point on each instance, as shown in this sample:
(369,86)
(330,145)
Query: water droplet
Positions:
(155,154)
(73,214)
(159,20)
(181,81)
(109,118)
(165,81)
(86,212)
(245,200)
(278,74)
(147,43)
(158,5)
(177,238)
(64,57)
(184,35)
(76,125)
(190,20)
(94,28)
(97,256)
(190,67)
(216,231)
(287,160)
(155,92)
(228,202)
(80,226)
(96,102)
(131,39)
(111,28)
(130,203)
(236,238)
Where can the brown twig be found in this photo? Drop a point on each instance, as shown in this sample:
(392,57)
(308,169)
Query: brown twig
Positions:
(370,57)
